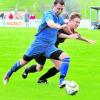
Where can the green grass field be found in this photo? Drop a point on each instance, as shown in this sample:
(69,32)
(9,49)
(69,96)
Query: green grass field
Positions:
(84,67)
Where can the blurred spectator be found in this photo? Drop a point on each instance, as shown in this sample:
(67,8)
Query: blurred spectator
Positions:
(32,17)
(16,11)
(11,16)
(2,16)
(26,18)
(65,15)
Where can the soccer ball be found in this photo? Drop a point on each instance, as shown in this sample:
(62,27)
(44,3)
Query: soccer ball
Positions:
(71,87)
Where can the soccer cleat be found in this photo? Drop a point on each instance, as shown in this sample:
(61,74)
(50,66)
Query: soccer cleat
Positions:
(62,84)
(24,74)
(5,80)
(42,81)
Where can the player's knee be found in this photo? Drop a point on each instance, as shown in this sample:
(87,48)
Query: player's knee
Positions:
(64,56)
(23,62)
(39,67)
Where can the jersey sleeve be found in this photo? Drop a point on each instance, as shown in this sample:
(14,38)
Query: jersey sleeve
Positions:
(48,16)
(62,20)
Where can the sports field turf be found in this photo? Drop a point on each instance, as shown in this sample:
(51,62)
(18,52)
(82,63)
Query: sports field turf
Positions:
(84,68)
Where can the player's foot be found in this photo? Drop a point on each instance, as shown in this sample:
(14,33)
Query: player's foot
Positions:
(62,84)
(5,79)
(24,74)
(42,81)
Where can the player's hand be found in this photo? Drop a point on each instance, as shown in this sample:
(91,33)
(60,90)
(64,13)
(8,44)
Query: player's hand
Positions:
(63,26)
(91,41)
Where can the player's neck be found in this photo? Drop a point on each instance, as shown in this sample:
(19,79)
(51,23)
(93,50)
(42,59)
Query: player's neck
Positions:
(70,26)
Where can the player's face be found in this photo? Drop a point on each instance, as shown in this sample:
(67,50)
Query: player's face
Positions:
(58,8)
(75,22)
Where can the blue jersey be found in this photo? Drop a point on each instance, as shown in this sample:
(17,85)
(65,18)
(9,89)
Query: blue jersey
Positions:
(46,33)
(46,36)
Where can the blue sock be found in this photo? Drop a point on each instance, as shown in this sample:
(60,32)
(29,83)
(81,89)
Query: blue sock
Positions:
(14,68)
(64,68)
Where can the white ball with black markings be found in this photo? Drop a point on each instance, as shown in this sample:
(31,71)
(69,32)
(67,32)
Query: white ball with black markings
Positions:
(71,87)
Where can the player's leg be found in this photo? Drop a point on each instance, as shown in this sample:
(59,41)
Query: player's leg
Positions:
(42,79)
(50,73)
(65,59)
(63,68)
(15,67)
(40,59)
(31,69)
(56,63)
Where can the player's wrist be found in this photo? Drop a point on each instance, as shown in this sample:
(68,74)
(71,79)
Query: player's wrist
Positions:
(59,26)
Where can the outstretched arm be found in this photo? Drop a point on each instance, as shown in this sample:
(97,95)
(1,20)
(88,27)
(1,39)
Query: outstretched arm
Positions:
(65,36)
(85,39)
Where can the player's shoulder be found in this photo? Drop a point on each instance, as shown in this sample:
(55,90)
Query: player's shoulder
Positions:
(48,12)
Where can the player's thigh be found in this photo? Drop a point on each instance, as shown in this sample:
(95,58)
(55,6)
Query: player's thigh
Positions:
(51,49)
(25,59)
(59,55)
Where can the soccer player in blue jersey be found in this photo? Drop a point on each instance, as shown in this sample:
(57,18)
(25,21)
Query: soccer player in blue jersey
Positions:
(72,24)
(44,44)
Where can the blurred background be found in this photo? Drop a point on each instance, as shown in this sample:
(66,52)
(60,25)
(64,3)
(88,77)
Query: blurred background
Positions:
(30,10)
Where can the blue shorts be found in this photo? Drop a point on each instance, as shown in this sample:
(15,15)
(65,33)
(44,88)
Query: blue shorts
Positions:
(41,47)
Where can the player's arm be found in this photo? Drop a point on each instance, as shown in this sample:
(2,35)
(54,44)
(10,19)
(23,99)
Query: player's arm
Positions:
(67,33)
(51,24)
(50,21)
(85,39)
(65,36)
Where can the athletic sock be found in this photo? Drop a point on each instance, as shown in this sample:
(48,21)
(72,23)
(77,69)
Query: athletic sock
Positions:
(64,68)
(51,72)
(14,68)
(31,69)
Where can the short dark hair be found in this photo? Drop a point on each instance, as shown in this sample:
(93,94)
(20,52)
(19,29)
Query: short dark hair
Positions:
(74,15)
(59,1)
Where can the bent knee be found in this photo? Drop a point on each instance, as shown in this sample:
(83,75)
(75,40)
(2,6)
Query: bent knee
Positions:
(39,67)
(64,55)
(23,62)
